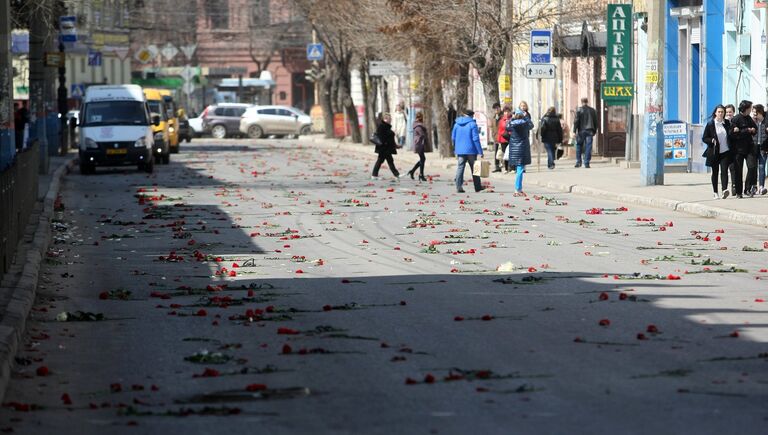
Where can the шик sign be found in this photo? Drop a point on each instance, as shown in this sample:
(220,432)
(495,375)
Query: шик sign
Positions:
(619,54)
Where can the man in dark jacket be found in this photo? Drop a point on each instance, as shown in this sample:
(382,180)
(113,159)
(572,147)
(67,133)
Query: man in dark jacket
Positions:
(741,142)
(584,128)
(386,148)
(551,135)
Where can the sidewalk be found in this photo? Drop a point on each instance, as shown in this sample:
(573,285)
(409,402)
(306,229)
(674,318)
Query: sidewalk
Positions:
(684,192)
(18,287)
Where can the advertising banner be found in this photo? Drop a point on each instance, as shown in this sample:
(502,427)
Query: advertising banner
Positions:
(618,56)
(675,143)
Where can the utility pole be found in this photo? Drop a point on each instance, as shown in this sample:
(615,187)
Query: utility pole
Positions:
(652,141)
(62,103)
(7,136)
(37,112)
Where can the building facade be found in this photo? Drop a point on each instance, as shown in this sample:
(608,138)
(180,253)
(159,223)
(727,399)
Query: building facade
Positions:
(259,43)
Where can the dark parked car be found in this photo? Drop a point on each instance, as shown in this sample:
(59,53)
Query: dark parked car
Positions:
(223,120)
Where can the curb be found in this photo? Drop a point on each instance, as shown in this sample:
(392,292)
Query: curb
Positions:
(23,297)
(646,201)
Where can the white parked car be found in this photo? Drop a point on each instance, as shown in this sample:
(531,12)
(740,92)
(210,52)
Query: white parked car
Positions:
(196,124)
(262,121)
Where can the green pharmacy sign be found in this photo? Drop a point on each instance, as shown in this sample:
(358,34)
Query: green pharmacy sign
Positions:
(619,56)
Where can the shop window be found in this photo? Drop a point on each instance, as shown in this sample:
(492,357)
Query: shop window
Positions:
(283,96)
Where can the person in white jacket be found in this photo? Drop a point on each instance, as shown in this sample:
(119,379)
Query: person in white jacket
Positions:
(399,124)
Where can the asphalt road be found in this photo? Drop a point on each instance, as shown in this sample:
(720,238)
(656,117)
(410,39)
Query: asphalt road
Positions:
(270,287)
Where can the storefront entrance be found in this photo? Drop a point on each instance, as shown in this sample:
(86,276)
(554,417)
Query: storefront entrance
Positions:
(615,136)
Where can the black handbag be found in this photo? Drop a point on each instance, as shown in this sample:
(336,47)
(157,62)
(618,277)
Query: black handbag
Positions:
(375,139)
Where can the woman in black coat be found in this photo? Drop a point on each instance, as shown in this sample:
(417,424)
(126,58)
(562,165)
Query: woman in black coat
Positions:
(551,134)
(386,148)
(718,153)
(419,145)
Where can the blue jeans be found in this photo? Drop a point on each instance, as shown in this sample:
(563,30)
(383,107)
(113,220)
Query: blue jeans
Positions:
(584,143)
(550,147)
(463,160)
(762,168)
(519,178)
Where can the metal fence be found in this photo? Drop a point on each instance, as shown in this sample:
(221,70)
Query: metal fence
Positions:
(18,195)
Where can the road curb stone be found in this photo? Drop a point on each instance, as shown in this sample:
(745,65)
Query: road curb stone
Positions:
(23,297)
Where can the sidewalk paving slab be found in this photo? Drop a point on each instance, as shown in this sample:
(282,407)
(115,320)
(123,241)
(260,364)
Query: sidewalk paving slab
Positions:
(19,285)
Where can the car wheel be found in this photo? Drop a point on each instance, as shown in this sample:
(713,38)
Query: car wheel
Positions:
(255,132)
(219,131)
(87,168)
(305,130)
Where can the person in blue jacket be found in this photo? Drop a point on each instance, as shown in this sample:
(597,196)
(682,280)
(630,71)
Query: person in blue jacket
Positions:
(519,148)
(466,142)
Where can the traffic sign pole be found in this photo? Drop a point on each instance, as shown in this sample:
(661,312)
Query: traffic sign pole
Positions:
(536,136)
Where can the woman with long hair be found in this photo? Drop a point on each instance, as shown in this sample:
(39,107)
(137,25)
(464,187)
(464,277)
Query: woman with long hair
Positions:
(419,146)
(718,153)
(519,149)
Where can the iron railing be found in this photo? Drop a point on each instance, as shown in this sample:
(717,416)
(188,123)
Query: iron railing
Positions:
(18,195)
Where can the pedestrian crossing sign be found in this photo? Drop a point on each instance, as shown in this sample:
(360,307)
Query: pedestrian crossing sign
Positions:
(315,52)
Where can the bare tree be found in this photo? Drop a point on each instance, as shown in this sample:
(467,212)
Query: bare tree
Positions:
(482,30)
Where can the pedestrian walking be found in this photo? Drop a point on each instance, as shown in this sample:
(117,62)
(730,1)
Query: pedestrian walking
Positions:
(551,133)
(466,143)
(399,124)
(718,154)
(20,120)
(386,147)
(497,112)
(502,140)
(419,145)
(584,128)
(760,140)
(741,142)
(730,111)
(524,107)
(519,149)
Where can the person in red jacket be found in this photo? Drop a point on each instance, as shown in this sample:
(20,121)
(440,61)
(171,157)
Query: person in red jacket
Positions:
(501,141)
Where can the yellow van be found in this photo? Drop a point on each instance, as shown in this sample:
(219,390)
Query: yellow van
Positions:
(173,120)
(161,147)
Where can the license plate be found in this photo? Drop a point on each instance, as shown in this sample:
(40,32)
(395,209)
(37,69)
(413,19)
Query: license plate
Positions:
(112,151)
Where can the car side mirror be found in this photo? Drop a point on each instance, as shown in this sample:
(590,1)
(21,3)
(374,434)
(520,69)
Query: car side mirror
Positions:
(155,120)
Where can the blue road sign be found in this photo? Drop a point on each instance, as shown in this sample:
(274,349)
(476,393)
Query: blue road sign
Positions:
(94,58)
(77,90)
(68,28)
(541,46)
(315,52)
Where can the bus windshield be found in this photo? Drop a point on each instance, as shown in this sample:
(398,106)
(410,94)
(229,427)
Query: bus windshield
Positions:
(156,106)
(115,113)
